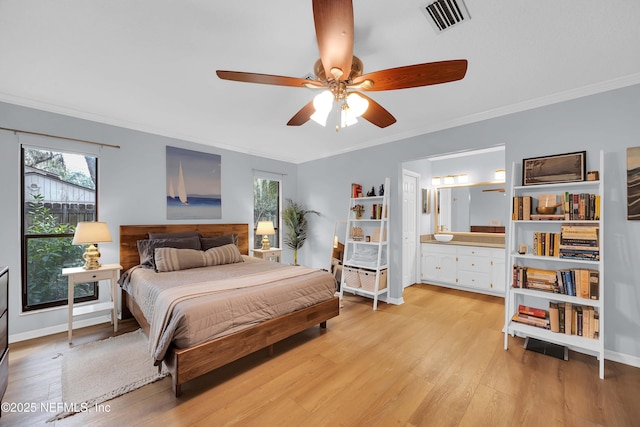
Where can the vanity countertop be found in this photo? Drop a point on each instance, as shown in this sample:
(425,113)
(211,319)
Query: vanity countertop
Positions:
(466,240)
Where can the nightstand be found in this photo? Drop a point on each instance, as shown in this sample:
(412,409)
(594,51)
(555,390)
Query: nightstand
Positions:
(272,254)
(80,275)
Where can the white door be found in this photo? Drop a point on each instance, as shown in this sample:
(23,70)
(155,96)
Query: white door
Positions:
(410,182)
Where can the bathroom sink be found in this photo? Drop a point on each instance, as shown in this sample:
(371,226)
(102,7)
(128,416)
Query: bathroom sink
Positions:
(443,237)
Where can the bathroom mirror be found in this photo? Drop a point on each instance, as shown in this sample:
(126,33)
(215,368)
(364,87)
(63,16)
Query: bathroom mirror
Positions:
(474,208)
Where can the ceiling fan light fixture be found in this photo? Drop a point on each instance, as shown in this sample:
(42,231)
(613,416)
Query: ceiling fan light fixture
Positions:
(347,116)
(323,103)
(357,104)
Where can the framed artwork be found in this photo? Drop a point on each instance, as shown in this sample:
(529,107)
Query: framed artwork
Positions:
(633,183)
(569,167)
(193,185)
(426,201)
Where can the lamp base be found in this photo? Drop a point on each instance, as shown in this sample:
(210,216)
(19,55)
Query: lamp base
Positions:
(92,258)
(265,243)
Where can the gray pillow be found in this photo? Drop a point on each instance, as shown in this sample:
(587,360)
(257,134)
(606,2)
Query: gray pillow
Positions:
(215,241)
(171,259)
(146,248)
(176,235)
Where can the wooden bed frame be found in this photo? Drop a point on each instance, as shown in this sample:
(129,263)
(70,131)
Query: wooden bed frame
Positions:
(189,363)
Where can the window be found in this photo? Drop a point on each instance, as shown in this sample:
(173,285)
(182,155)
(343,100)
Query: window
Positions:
(58,191)
(266,207)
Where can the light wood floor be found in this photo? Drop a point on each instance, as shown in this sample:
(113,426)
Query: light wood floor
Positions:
(437,360)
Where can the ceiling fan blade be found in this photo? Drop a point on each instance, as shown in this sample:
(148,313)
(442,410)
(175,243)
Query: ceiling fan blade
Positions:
(431,73)
(267,79)
(334,30)
(376,113)
(302,116)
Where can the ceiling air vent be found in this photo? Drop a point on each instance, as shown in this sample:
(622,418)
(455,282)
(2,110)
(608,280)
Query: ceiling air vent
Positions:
(444,14)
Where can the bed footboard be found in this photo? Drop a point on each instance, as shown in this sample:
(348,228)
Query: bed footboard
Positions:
(187,364)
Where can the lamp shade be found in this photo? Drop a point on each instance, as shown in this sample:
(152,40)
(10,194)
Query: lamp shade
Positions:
(91,232)
(265,228)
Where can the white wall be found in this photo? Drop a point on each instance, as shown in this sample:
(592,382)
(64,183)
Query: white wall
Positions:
(132,191)
(606,121)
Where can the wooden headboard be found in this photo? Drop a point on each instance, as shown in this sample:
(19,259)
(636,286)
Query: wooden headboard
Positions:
(130,234)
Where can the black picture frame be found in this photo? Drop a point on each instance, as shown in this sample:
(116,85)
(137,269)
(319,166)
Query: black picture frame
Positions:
(567,167)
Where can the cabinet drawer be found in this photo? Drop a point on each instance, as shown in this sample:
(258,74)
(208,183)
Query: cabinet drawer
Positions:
(4,373)
(92,276)
(473,279)
(439,248)
(473,251)
(4,333)
(474,263)
(4,286)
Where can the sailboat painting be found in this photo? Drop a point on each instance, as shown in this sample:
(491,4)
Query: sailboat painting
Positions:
(193,185)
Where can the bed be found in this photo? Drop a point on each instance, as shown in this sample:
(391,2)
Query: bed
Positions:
(192,361)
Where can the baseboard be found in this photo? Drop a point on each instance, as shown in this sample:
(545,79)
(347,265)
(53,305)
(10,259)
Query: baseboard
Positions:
(625,359)
(58,328)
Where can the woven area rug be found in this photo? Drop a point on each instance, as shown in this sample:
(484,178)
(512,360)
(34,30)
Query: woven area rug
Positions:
(99,371)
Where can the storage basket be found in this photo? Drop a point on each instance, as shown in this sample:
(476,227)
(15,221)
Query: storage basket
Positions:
(351,277)
(368,280)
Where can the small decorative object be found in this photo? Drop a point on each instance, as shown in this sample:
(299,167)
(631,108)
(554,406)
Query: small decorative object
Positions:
(371,193)
(381,191)
(358,209)
(547,204)
(265,228)
(367,239)
(356,233)
(90,233)
(593,176)
(568,167)
(522,248)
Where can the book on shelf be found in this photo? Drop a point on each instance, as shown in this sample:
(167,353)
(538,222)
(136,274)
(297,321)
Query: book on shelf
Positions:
(356,190)
(554,317)
(581,206)
(572,319)
(530,320)
(532,311)
(579,241)
(578,282)
(546,244)
(521,208)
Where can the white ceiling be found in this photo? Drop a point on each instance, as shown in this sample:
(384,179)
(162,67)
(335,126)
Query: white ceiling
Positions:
(150,64)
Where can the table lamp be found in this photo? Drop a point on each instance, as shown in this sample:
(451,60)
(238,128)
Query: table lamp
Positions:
(91,233)
(265,228)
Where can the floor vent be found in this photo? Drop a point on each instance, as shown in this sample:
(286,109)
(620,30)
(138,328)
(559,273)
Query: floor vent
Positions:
(444,14)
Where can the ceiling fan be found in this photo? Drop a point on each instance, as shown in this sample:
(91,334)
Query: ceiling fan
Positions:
(340,73)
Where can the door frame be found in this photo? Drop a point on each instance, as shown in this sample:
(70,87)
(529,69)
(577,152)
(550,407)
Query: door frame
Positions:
(416,252)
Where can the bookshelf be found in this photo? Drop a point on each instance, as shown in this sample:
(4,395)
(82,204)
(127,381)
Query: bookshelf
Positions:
(366,254)
(562,267)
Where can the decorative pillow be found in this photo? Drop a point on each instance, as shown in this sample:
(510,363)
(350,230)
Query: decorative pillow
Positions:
(172,259)
(146,248)
(176,235)
(215,241)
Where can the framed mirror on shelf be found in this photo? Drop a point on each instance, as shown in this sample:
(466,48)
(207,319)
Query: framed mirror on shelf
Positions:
(473,208)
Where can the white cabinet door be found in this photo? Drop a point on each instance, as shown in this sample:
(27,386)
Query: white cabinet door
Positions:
(438,263)
(498,278)
(448,268)
(429,265)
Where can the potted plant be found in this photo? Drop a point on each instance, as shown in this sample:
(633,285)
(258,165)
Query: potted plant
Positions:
(358,209)
(294,217)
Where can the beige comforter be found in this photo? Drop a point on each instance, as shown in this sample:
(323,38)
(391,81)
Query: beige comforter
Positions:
(189,307)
